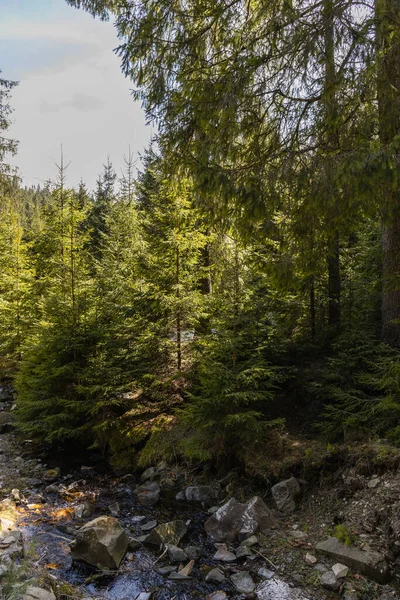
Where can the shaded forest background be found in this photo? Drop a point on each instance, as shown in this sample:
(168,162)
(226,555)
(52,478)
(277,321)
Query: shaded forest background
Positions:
(245,283)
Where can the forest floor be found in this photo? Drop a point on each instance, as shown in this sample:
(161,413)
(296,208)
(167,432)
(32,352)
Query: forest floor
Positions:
(357,487)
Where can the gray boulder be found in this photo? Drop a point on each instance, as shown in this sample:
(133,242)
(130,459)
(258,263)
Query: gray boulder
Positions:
(101,542)
(201,494)
(176,554)
(36,593)
(243,582)
(285,493)
(238,521)
(215,576)
(370,564)
(148,493)
(167,533)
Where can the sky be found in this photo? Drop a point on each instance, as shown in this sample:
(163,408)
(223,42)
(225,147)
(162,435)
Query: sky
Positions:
(71,92)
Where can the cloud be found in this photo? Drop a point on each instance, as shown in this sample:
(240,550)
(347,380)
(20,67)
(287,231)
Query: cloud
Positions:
(80,102)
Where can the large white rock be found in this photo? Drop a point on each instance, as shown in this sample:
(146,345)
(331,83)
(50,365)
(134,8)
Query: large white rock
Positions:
(238,521)
(101,542)
(285,494)
(36,593)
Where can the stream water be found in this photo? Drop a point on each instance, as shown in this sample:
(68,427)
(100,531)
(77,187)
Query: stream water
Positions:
(52,525)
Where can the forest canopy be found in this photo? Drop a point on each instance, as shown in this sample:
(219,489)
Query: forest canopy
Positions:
(246,279)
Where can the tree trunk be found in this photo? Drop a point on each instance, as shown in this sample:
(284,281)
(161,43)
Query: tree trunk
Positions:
(388,91)
(332,143)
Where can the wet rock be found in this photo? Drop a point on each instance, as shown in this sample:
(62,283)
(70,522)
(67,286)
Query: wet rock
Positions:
(202,494)
(236,520)
(8,514)
(265,573)
(134,544)
(371,564)
(16,495)
(176,554)
(285,493)
(36,593)
(114,509)
(149,525)
(52,475)
(101,542)
(243,582)
(340,571)
(139,518)
(55,489)
(187,570)
(150,474)
(215,576)
(329,581)
(224,555)
(219,595)
(180,497)
(167,533)
(179,577)
(148,493)
(83,510)
(194,552)
(243,552)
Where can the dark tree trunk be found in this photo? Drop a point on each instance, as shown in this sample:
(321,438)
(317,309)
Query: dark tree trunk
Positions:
(312,308)
(388,89)
(332,143)
(334,282)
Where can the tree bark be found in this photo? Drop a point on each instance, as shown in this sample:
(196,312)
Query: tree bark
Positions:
(332,143)
(388,92)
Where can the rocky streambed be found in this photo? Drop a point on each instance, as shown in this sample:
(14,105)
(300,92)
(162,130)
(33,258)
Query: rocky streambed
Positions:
(79,533)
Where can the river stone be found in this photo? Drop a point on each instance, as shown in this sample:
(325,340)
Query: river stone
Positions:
(285,494)
(150,474)
(368,563)
(243,552)
(176,554)
(149,526)
(236,520)
(243,582)
(215,576)
(224,555)
(167,533)
(329,581)
(278,590)
(219,595)
(265,573)
(340,571)
(187,570)
(148,493)
(201,494)
(179,577)
(101,542)
(83,510)
(36,593)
